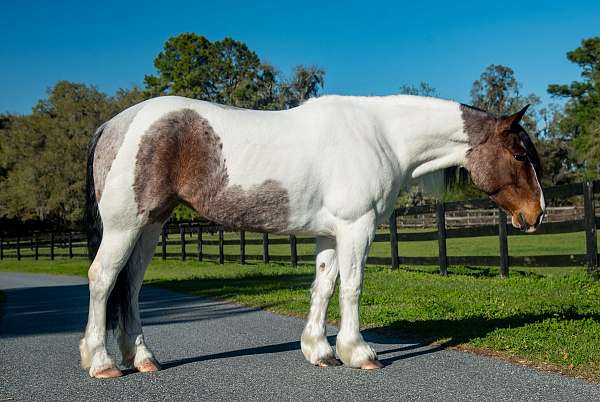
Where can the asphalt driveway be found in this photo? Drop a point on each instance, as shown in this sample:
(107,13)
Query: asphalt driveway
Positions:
(214,351)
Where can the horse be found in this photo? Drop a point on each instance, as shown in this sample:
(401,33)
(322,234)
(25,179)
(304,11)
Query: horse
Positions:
(331,167)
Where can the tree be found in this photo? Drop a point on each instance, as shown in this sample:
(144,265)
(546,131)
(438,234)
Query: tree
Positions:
(581,120)
(556,152)
(423,89)
(305,83)
(44,153)
(227,72)
(497,91)
(222,71)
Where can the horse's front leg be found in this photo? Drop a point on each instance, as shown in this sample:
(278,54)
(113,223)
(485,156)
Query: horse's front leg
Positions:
(353,242)
(314,343)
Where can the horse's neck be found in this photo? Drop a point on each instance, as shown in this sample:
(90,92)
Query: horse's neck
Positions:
(425,134)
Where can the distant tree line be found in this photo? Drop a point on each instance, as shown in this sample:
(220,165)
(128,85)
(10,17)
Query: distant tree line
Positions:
(42,154)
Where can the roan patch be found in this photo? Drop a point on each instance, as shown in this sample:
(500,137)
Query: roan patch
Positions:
(180,160)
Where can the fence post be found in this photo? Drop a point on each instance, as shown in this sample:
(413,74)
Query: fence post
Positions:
(163,241)
(502,235)
(70,244)
(441,226)
(36,239)
(221,247)
(199,240)
(242,247)
(265,248)
(394,240)
(200,255)
(18,248)
(294,250)
(182,236)
(590,229)
(52,245)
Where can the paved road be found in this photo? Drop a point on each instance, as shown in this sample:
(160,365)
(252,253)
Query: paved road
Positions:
(213,351)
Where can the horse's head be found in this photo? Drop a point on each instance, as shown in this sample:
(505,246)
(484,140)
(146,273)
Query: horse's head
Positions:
(504,164)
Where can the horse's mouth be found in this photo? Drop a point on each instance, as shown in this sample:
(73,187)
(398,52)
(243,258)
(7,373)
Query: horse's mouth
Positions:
(523,225)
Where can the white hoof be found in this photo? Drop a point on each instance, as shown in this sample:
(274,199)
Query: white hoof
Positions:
(103,366)
(318,351)
(356,353)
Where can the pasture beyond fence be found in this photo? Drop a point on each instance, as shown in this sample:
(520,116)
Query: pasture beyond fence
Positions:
(203,240)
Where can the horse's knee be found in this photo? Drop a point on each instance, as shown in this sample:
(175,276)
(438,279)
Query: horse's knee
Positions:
(350,295)
(101,280)
(323,287)
(93,272)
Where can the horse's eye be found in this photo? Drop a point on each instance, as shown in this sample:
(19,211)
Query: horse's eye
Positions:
(520,157)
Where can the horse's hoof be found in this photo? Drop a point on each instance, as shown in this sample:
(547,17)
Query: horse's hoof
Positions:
(148,366)
(112,372)
(371,365)
(327,362)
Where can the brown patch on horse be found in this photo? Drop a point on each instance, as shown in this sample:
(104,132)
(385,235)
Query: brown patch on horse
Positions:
(108,145)
(503,162)
(180,159)
(478,125)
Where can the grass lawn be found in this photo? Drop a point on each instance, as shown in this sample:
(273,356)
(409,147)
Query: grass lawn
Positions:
(552,320)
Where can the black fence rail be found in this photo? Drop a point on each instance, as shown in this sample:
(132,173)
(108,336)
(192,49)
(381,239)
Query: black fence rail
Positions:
(203,240)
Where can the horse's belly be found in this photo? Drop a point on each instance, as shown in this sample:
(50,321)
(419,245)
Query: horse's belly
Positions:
(262,207)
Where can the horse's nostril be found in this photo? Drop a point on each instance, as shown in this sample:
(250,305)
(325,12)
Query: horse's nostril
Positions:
(522,221)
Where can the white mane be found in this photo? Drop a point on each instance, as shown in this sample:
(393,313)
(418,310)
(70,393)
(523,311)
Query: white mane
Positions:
(409,100)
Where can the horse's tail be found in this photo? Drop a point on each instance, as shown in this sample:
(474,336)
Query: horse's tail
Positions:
(93,221)
(118,301)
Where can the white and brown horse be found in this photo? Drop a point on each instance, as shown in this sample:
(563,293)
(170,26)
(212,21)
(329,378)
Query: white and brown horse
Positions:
(331,167)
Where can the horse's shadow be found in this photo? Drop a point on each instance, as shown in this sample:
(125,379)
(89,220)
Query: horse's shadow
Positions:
(403,339)
(295,345)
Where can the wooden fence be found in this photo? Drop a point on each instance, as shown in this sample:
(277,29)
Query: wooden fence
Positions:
(478,216)
(202,240)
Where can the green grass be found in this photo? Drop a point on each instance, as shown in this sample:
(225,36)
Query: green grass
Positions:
(553,319)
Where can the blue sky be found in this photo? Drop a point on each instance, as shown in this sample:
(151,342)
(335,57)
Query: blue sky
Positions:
(366,48)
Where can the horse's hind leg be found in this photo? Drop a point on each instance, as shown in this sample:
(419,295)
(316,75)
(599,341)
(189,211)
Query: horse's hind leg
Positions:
(314,343)
(131,338)
(112,256)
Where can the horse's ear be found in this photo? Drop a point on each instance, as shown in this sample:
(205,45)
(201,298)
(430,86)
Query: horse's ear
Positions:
(507,122)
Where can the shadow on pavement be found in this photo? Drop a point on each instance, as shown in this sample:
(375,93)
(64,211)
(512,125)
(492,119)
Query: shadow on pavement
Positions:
(57,309)
(376,340)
